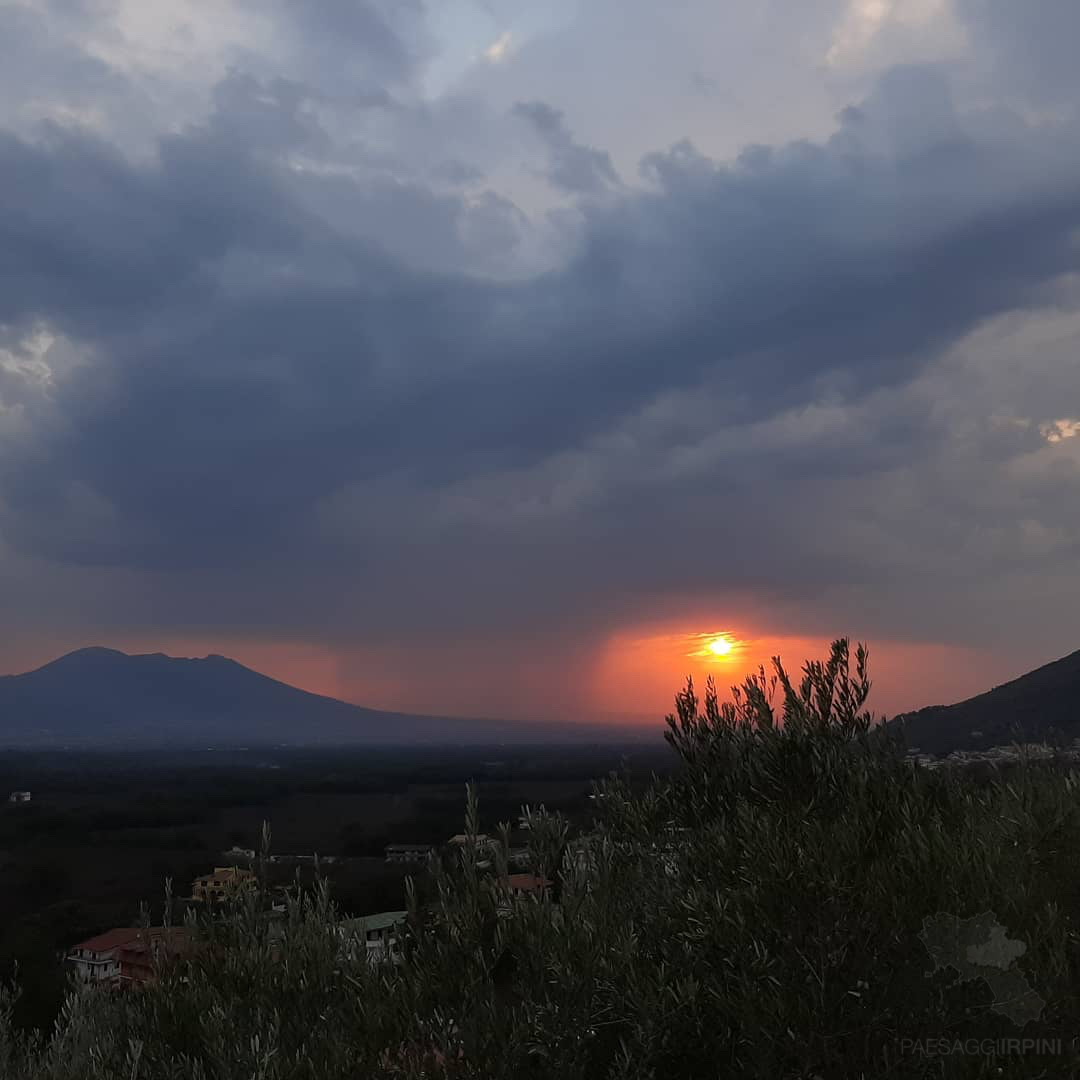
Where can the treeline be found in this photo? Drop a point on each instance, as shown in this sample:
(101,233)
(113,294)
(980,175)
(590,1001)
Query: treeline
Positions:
(756,914)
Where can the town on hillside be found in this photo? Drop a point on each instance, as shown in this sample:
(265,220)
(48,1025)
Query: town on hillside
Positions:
(125,957)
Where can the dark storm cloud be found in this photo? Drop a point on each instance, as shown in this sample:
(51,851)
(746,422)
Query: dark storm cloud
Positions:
(575,168)
(349,49)
(96,245)
(1031,47)
(289,381)
(44,61)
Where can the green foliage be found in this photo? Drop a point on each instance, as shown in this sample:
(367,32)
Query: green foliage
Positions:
(755,915)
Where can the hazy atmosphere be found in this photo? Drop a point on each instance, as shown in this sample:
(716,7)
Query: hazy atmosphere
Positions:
(488,357)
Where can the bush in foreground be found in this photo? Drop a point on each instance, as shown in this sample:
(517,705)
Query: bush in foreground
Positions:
(757,915)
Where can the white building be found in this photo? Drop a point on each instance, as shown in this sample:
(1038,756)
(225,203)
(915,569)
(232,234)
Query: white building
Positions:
(461,840)
(98,959)
(409,853)
(379,933)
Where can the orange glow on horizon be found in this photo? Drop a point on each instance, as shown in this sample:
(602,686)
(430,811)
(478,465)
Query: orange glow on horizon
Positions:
(714,646)
(628,676)
(638,671)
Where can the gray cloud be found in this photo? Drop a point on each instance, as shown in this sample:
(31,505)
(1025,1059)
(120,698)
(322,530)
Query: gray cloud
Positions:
(345,47)
(1029,48)
(300,364)
(46,70)
(574,168)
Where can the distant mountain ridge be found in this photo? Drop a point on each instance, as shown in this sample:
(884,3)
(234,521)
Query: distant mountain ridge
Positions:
(99,696)
(1031,708)
(96,696)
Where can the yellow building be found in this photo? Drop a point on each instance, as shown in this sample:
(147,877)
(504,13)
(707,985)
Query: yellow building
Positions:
(223,881)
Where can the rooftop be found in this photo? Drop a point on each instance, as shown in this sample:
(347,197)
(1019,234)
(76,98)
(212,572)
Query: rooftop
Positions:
(226,872)
(111,939)
(381,921)
(526,882)
(175,938)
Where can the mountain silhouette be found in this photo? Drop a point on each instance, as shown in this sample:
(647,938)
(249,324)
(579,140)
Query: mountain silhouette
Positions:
(1042,705)
(102,696)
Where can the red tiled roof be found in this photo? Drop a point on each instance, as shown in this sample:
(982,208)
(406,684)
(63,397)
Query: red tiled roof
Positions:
(526,882)
(228,873)
(176,938)
(111,939)
(133,937)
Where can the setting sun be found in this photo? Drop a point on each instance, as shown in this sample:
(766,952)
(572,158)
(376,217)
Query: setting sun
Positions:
(715,645)
(720,646)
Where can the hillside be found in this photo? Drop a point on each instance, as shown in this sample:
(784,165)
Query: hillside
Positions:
(103,696)
(1029,709)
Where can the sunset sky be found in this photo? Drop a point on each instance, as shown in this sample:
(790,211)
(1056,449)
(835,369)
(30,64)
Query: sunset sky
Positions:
(487,356)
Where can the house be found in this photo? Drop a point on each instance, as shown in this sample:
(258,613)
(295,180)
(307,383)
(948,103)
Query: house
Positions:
(140,959)
(125,955)
(483,846)
(379,933)
(409,853)
(225,880)
(522,886)
(461,840)
(19,797)
(97,960)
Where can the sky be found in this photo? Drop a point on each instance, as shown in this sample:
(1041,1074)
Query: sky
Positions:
(480,356)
